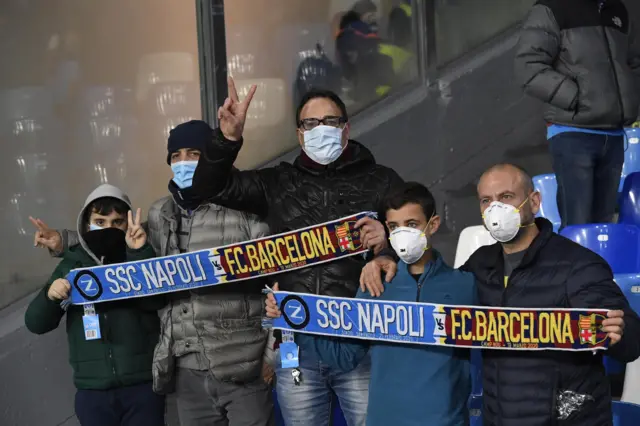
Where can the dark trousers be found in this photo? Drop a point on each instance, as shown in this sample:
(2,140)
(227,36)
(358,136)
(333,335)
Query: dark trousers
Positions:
(203,400)
(587,168)
(128,406)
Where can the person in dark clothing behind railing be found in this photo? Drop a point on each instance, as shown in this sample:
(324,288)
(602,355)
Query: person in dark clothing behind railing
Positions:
(582,59)
(400,24)
(533,267)
(358,53)
(333,177)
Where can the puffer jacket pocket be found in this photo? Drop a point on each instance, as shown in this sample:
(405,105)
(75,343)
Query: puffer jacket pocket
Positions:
(235,348)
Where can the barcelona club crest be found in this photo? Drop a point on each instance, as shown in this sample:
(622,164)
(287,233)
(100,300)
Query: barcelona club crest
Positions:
(348,237)
(590,331)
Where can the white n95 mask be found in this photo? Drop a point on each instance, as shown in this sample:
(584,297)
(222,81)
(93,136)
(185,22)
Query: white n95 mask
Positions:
(502,221)
(409,243)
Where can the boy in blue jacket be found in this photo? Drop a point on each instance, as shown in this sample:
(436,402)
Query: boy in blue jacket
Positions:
(410,384)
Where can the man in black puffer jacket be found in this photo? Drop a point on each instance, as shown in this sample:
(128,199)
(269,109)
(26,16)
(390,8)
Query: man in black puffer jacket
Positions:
(533,267)
(332,177)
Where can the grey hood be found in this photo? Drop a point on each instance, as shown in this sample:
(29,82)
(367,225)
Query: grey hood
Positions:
(104,190)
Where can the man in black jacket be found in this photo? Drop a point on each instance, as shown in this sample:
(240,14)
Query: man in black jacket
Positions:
(582,59)
(332,177)
(533,267)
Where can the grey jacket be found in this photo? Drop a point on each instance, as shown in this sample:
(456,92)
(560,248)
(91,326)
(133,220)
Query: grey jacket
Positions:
(217,328)
(221,323)
(583,61)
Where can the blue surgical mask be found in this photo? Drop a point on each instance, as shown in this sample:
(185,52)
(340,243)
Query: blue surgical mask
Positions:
(93,227)
(323,144)
(183,173)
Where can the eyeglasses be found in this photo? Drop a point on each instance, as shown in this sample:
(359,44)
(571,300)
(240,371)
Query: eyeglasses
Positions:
(310,123)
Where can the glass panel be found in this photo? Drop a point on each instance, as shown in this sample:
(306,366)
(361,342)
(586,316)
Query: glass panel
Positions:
(88,92)
(462,25)
(288,46)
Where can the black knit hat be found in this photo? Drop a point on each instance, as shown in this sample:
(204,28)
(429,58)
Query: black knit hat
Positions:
(193,134)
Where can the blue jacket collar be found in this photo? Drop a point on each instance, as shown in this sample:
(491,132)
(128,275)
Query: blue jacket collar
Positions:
(430,269)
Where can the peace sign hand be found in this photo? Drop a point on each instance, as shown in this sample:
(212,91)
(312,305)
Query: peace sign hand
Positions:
(233,113)
(46,237)
(136,236)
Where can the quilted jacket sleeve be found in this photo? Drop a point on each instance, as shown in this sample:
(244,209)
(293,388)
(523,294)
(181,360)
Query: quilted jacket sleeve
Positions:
(536,52)
(591,286)
(218,181)
(69,239)
(256,228)
(634,51)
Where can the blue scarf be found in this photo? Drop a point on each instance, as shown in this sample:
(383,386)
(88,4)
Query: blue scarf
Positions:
(443,325)
(236,262)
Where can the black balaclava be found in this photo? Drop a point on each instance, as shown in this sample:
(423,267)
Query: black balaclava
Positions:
(108,245)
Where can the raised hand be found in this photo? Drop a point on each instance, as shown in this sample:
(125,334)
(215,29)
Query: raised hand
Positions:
(46,237)
(136,236)
(233,113)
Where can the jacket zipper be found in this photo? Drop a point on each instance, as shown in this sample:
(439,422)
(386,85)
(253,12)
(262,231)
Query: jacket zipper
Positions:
(325,201)
(503,299)
(113,365)
(421,281)
(613,67)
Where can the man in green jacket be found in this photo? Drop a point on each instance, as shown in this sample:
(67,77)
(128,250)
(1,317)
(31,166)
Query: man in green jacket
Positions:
(111,363)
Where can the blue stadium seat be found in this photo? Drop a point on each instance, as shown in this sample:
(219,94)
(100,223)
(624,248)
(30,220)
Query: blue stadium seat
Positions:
(625,414)
(618,244)
(629,200)
(631,155)
(476,372)
(548,188)
(630,286)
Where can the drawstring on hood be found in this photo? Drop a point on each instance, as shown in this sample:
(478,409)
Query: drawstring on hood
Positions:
(102,191)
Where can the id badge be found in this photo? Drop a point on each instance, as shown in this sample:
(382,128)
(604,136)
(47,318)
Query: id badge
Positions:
(287,336)
(91,323)
(289,355)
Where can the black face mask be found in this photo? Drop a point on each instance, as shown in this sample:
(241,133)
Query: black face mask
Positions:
(186,198)
(109,245)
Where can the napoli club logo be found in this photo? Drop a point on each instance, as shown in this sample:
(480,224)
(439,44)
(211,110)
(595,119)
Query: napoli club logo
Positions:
(295,312)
